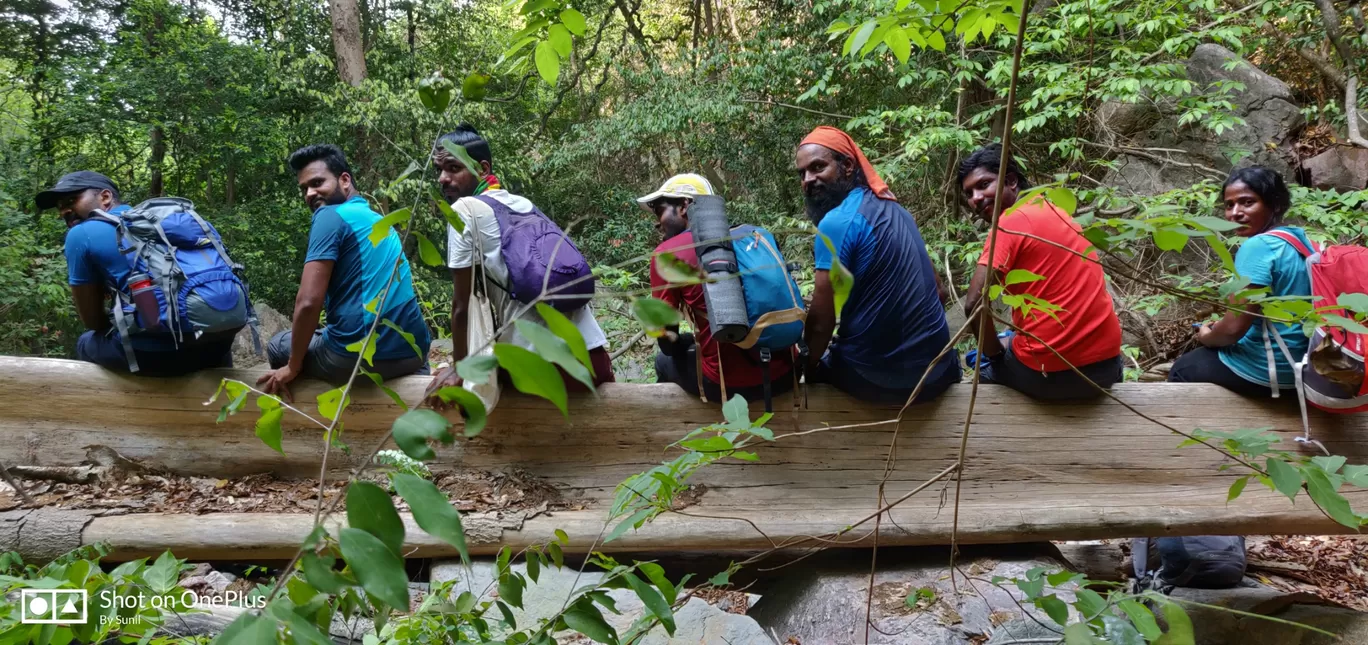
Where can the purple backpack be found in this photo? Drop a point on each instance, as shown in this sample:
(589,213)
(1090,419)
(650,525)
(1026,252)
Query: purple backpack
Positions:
(533,247)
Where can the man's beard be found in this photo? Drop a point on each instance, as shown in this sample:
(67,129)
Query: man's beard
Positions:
(822,198)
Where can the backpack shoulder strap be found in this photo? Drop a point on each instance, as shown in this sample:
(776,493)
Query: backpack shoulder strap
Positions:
(1295,242)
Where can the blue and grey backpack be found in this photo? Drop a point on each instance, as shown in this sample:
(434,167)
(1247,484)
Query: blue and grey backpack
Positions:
(201,295)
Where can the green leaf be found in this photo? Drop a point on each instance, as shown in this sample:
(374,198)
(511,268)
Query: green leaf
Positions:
(898,43)
(586,619)
(304,632)
(248,629)
(842,280)
(534,6)
(534,560)
(1020,276)
(1357,302)
(654,314)
(368,343)
(1346,324)
(380,571)
(656,574)
(561,326)
(628,523)
(937,40)
(1089,603)
(370,509)
(557,555)
(654,602)
(1326,496)
(676,271)
(560,40)
(268,428)
(474,88)
(1119,631)
(459,152)
(379,382)
(562,536)
(551,347)
(511,589)
(319,572)
(1223,251)
(477,368)
(1063,198)
(1142,618)
(475,414)
(162,576)
(1078,634)
(428,252)
(507,615)
(736,412)
(1356,476)
(408,338)
(858,38)
(1169,240)
(330,403)
(1179,626)
(1237,488)
(465,602)
(574,21)
(381,229)
(1054,608)
(432,511)
(447,212)
(532,374)
(415,427)
(548,61)
(1286,479)
(1217,224)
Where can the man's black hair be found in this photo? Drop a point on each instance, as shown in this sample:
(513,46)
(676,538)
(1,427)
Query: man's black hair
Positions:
(329,154)
(467,136)
(989,157)
(1265,183)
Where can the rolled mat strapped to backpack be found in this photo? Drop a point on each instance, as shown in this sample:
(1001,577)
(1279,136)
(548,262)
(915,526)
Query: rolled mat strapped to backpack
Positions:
(753,301)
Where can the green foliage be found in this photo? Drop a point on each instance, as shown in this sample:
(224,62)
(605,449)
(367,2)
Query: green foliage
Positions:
(1288,473)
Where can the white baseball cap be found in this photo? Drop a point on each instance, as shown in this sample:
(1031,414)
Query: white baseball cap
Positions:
(683,186)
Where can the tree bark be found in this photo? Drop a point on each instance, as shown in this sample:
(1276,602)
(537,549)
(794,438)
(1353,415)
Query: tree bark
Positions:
(346,36)
(156,186)
(230,184)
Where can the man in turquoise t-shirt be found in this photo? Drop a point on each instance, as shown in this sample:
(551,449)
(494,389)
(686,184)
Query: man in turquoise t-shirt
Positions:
(1234,352)
(344,272)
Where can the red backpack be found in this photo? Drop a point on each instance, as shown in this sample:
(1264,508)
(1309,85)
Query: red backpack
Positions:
(1331,374)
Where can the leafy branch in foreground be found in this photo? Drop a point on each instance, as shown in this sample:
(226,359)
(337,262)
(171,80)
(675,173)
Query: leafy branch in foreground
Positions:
(1321,477)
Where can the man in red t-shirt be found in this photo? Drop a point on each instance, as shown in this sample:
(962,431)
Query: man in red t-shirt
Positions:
(1068,310)
(678,359)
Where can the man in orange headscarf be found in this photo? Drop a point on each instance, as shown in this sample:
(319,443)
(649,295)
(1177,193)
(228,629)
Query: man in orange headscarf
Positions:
(892,326)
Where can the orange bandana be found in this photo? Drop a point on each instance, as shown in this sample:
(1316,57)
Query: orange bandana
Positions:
(838,141)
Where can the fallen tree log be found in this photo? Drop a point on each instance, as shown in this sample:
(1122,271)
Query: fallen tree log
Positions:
(1034,470)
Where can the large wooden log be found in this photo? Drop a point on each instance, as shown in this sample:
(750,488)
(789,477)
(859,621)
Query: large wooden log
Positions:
(1034,470)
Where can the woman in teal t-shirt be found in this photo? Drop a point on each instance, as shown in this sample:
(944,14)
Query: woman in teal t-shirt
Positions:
(1233,353)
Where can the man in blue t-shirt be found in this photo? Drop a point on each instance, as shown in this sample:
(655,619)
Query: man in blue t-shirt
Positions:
(893,325)
(345,273)
(95,268)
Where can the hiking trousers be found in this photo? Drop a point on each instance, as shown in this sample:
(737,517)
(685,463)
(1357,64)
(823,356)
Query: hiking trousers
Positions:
(324,363)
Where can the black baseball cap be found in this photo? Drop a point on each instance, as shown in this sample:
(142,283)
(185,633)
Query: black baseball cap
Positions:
(72,183)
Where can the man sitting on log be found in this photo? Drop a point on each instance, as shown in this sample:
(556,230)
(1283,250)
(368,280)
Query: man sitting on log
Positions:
(477,259)
(1066,318)
(682,355)
(892,328)
(346,274)
(98,268)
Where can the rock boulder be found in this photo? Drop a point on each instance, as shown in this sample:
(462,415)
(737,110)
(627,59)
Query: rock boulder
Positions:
(269,322)
(1168,156)
(1340,168)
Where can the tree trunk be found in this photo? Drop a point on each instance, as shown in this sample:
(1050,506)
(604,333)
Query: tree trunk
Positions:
(230,184)
(156,185)
(346,36)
